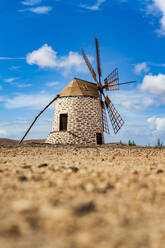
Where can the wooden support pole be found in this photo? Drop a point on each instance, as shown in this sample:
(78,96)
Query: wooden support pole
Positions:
(37,118)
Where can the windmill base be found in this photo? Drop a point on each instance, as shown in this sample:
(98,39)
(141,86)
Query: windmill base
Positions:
(68,138)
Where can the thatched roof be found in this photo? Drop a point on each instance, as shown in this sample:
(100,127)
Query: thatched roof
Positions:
(78,87)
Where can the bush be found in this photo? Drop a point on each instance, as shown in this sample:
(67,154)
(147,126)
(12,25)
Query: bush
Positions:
(131,143)
(159,144)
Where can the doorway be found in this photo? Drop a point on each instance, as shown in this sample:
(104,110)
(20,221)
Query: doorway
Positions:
(99,139)
(63,122)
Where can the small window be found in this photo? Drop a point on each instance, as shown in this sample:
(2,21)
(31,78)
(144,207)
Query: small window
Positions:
(63,122)
(99,139)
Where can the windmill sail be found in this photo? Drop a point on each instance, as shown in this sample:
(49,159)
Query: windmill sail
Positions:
(98,59)
(112,81)
(116,120)
(104,119)
(89,66)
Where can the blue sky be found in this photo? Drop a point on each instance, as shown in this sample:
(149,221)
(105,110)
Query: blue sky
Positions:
(40,53)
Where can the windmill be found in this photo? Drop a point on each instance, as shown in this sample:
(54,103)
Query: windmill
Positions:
(111,83)
(81,108)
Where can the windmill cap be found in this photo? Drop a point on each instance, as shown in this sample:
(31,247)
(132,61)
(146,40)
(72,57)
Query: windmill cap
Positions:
(79,87)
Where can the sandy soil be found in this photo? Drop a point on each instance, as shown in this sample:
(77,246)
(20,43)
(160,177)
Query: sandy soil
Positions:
(66,197)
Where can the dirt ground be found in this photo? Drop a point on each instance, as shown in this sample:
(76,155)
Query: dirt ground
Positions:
(68,197)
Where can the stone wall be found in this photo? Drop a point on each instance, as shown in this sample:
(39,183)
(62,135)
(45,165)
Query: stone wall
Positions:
(84,120)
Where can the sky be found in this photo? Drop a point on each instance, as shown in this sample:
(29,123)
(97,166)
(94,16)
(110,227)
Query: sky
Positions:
(40,53)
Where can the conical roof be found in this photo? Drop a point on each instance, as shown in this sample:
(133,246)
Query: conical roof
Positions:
(79,87)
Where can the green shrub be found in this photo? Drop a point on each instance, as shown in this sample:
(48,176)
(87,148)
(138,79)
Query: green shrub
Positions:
(131,143)
(159,143)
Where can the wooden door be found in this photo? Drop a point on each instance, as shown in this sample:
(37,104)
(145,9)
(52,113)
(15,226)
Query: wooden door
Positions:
(99,139)
(63,122)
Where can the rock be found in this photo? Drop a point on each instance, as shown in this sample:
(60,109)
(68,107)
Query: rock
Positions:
(74,169)
(135,172)
(159,171)
(143,185)
(26,167)
(14,230)
(84,208)
(22,178)
(33,221)
(42,165)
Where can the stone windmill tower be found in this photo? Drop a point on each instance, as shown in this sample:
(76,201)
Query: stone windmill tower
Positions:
(81,109)
(77,115)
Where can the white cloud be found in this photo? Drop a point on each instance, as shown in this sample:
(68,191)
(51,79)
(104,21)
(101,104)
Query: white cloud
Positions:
(127,104)
(72,60)
(46,57)
(31,2)
(38,10)
(41,10)
(3,132)
(147,102)
(52,84)
(36,101)
(10,58)
(15,129)
(20,85)
(141,67)
(154,84)
(139,104)
(156,64)
(157,124)
(133,99)
(158,5)
(43,57)
(10,80)
(14,68)
(94,7)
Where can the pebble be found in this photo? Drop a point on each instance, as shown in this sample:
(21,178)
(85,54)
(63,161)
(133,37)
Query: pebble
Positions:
(42,165)
(84,208)
(74,169)
(26,167)
(22,178)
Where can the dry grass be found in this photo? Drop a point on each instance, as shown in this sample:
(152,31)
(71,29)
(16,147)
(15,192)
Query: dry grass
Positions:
(66,197)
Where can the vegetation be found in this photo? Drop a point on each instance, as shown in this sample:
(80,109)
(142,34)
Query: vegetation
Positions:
(159,143)
(131,143)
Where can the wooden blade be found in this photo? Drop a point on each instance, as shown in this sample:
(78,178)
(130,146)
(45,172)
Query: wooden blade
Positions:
(89,66)
(122,83)
(104,119)
(37,118)
(111,82)
(116,120)
(98,59)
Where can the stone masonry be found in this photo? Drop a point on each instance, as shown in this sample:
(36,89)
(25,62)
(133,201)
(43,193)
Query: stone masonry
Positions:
(84,121)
